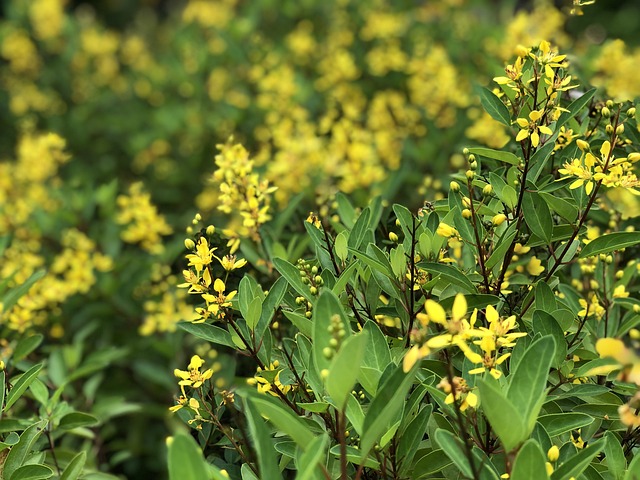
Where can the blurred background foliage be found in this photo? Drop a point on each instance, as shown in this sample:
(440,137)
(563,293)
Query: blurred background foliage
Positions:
(111,112)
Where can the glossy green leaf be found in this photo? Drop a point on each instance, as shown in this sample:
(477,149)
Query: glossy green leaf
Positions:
(309,460)
(614,455)
(558,423)
(544,324)
(19,452)
(501,248)
(452,446)
(539,160)
(633,472)
(270,304)
(21,385)
(505,417)
(411,438)
(545,298)
(494,106)
(74,467)
(530,463)
(432,462)
(25,346)
(577,464)
(385,407)
(185,459)
(292,274)
(377,355)
(575,107)
(344,368)
(283,419)
(529,380)
(561,206)
(77,419)
(610,243)
(537,215)
(452,274)
(358,232)
(32,472)
(267,456)
(207,332)
(501,155)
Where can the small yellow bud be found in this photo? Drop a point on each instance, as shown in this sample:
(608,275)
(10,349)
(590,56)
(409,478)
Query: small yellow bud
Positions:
(473,165)
(633,157)
(549,468)
(631,112)
(583,145)
(168,441)
(211,230)
(634,333)
(609,103)
(636,308)
(487,190)
(466,202)
(609,129)
(454,186)
(324,373)
(308,314)
(393,237)
(606,113)
(553,454)
(465,151)
(327,352)
(189,244)
(620,129)
(498,219)
(466,213)
(313,290)
(470,174)
(2,366)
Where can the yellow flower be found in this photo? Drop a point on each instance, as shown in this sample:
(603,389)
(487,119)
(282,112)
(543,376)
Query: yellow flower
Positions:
(534,267)
(202,256)
(192,377)
(445,230)
(530,128)
(230,263)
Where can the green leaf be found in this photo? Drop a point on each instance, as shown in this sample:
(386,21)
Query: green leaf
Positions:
(25,346)
(432,462)
(577,464)
(19,452)
(500,155)
(609,243)
(529,380)
(315,407)
(252,316)
(537,215)
(13,295)
(558,423)
(292,274)
(302,323)
(359,230)
(544,324)
(452,274)
(270,304)
(575,107)
(309,460)
(2,388)
(499,252)
(345,368)
(377,354)
(77,419)
(539,160)
(452,446)
(614,455)
(505,417)
(494,106)
(344,278)
(633,473)
(411,438)
(327,307)
(530,463)
(385,407)
(561,206)
(21,385)
(282,418)
(267,457)
(341,246)
(32,472)
(207,332)
(75,466)
(545,298)
(185,459)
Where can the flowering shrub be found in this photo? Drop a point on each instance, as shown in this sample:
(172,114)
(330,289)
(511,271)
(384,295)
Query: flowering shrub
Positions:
(480,336)
(364,334)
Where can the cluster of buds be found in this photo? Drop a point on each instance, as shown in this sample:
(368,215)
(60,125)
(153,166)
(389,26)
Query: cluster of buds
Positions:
(309,276)
(337,332)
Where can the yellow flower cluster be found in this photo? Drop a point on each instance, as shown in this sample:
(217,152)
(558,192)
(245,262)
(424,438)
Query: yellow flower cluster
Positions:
(492,340)
(616,67)
(242,191)
(144,225)
(268,378)
(193,378)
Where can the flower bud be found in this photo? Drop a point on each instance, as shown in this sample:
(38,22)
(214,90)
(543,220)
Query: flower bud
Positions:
(189,244)
(470,174)
(620,129)
(211,230)
(472,158)
(553,454)
(487,190)
(465,151)
(473,165)
(393,237)
(609,129)
(314,269)
(606,113)
(609,103)
(454,186)
(313,290)
(498,219)
(466,213)
(631,113)
(583,145)
(633,157)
